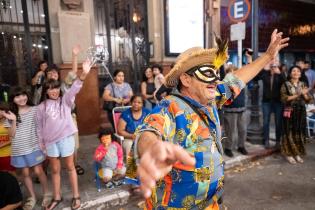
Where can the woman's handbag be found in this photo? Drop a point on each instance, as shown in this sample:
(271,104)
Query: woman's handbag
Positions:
(109,105)
(287,112)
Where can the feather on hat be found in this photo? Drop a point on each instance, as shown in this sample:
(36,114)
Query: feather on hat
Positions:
(197,56)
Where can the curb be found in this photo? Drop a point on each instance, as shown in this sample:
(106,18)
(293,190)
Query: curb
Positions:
(116,199)
(243,159)
(122,196)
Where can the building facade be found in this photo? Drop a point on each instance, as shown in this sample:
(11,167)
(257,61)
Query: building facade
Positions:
(135,34)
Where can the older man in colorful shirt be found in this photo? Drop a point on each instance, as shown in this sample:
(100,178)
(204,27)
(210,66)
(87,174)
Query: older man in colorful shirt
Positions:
(178,152)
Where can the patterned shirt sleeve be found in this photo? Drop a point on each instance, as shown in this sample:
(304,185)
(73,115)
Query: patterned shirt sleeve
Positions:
(160,121)
(228,89)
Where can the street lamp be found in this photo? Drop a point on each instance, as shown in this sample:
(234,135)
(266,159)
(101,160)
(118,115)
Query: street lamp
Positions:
(254,129)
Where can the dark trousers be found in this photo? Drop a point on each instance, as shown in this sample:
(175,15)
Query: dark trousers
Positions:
(268,108)
(234,123)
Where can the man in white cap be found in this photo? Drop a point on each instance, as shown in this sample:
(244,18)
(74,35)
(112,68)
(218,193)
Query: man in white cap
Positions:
(178,152)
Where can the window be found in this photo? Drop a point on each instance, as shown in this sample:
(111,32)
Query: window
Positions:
(184,25)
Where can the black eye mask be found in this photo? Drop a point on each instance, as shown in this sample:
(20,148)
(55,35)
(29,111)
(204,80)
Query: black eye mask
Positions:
(204,73)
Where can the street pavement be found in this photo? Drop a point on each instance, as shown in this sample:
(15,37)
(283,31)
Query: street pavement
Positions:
(119,196)
(272,184)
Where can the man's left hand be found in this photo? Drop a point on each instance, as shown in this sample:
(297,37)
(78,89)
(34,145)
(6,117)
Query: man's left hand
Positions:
(277,43)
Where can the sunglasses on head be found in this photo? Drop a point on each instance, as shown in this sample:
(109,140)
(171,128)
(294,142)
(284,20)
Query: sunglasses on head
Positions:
(204,73)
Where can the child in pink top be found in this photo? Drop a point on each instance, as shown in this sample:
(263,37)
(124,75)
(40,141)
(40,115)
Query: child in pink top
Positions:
(56,134)
(110,155)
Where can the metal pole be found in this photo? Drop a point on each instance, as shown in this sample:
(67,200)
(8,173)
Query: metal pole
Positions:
(255,28)
(27,42)
(208,32)
(109,46)
(146,34)
(254,130)
(47,29)
(239,53)
(135,60)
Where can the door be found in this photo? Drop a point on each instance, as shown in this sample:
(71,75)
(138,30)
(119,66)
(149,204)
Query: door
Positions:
(121,26)
(24,40)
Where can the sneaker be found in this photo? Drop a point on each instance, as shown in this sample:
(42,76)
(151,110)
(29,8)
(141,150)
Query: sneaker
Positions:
(228,152)
(242,150)
(117,183)
(109,185)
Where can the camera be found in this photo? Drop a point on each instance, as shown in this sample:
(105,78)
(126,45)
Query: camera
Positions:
(249,51)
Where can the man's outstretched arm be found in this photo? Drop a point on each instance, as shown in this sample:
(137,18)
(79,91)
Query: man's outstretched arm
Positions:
(248,72)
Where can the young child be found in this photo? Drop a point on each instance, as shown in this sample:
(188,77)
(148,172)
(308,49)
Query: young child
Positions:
(158,76)
(56,133)
(110,155)
(5,139)
(26,152)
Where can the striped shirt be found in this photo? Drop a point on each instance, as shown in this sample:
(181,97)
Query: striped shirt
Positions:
(25,140)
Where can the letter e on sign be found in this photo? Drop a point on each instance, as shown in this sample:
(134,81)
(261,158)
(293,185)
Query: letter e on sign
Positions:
(238,10)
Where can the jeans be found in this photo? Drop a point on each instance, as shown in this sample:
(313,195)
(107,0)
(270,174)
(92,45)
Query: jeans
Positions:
(268,108)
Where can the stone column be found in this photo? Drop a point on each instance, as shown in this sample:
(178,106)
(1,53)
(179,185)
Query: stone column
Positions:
(156,30)
(71,25)
(212,21)
(54,7)
(87,101)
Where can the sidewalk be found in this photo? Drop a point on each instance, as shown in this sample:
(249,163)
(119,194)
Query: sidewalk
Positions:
(92,199)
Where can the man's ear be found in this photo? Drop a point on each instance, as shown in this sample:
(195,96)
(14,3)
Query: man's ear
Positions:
(185,80)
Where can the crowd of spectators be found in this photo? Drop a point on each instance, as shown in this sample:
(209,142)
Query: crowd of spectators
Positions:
(286,93)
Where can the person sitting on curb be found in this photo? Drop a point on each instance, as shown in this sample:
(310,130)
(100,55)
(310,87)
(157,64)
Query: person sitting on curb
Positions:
(110,156)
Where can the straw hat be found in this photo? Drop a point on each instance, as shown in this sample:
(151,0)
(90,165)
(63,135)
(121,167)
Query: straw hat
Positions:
(194,57)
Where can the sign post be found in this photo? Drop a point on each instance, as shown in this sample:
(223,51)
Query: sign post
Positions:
(238,11)
(238,34)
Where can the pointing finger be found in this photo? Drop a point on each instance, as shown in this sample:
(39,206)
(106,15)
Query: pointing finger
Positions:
(180,154)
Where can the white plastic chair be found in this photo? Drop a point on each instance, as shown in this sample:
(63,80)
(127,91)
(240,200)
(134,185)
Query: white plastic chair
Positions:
(116,115)
(309,128)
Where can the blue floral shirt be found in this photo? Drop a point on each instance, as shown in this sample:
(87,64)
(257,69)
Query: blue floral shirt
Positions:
(175,121)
